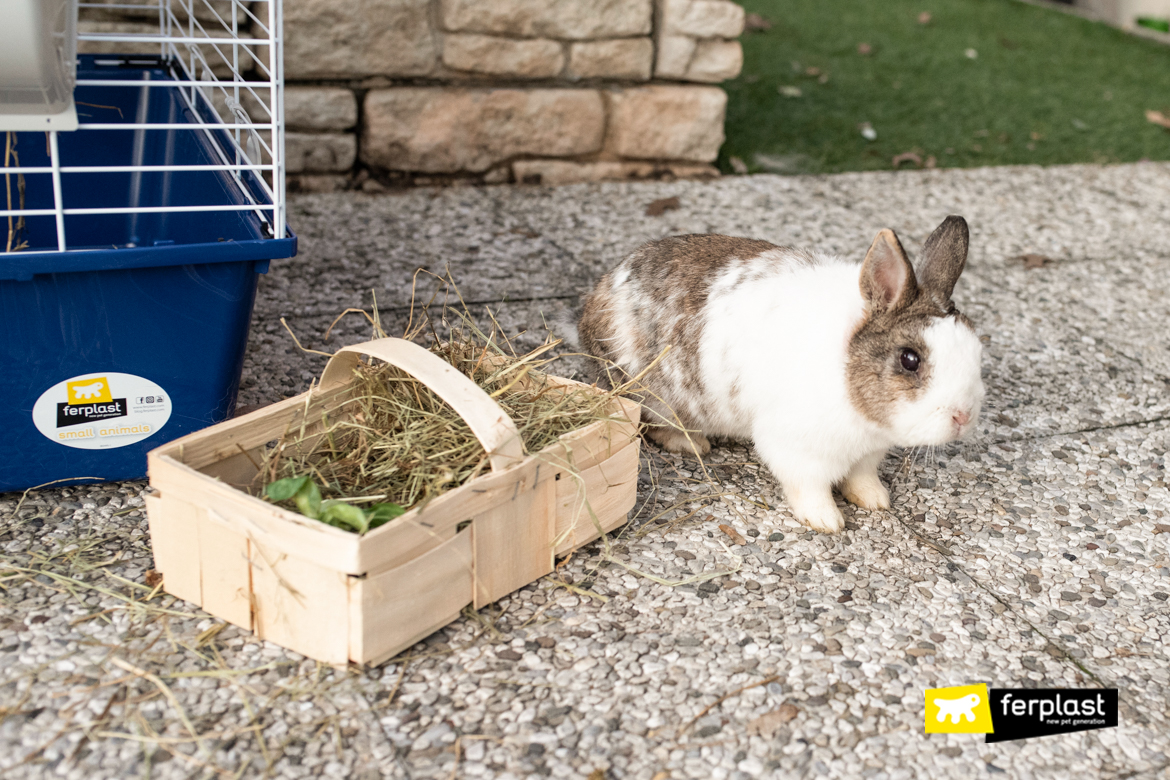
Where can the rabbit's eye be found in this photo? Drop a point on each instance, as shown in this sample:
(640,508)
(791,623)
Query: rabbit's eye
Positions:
(909,360)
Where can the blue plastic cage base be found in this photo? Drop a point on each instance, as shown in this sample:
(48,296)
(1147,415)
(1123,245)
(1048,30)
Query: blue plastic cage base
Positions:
(165,297)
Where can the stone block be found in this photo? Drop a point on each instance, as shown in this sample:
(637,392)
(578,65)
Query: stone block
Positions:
(318,182)
(675,53)
(566,19)
(315,109)
(147,11)
(666,122)
(555,172)
(319,152)
(220,67)
(688,59)
(531,59)
(715,60)
(702,18)
(118,28)
(434,130)
(329,39)
(622,58)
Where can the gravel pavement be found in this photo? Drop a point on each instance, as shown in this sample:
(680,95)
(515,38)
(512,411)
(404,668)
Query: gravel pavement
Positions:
(1035,555)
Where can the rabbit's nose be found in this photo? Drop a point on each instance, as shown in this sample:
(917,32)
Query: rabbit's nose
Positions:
(960,417)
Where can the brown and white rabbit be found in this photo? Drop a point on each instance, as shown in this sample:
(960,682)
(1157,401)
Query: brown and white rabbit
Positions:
(823,363)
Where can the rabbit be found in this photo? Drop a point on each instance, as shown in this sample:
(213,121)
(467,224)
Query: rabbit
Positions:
(822,363)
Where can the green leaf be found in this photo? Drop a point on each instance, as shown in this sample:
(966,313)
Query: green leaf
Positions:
(308,499)
(344,515)
(380,514)
(307,496)
(284,489)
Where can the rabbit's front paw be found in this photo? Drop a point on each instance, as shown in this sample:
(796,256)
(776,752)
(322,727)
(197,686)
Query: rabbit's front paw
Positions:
(673,440)
(866,491)
(816,509)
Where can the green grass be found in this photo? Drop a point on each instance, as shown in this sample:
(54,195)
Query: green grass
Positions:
(1046,88)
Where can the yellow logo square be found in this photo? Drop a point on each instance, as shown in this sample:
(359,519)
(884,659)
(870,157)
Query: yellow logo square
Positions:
(962,709)
(95,390)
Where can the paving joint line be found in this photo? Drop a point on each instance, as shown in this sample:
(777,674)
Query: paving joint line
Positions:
(1124,353)
(950,556)
(1095,429)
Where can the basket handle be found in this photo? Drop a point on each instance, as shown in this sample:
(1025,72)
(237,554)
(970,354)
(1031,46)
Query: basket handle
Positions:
(490,424)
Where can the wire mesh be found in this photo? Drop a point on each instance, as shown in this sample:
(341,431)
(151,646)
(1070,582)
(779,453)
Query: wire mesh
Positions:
(224,58)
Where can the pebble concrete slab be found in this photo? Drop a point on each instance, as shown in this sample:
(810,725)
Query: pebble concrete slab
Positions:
(1037,554)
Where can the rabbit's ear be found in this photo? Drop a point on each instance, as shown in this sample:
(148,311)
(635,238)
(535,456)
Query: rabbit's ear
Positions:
(943,258)
(887,278)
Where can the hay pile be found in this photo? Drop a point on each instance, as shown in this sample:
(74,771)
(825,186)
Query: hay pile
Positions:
(398,442)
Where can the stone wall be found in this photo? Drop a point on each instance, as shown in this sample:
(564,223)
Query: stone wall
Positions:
(546,91)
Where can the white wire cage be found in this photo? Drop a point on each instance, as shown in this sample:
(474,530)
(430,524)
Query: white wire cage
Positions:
(220,64)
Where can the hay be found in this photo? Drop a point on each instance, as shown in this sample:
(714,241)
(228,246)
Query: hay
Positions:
(396,441)
(17,229)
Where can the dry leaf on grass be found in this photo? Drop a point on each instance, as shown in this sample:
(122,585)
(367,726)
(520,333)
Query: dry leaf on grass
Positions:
(1036,261)
(924,17)
(659,207)
(769,723)
(733,534)
(864,49)
(754,21)
(912,157)
(153,578)
(1158,118)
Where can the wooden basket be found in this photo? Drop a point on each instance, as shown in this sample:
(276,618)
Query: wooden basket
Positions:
(335,596)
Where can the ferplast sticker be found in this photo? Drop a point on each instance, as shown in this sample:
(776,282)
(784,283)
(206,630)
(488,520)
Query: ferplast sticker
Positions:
(101,411)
